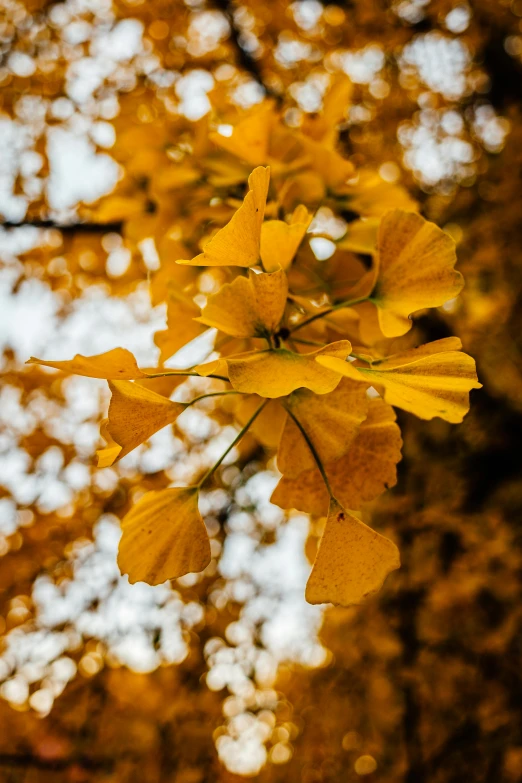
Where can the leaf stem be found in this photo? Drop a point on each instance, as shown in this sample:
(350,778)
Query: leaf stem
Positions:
(212,394)
(185,373)
(308,342)
(331,309)
(236,440)
(315,454)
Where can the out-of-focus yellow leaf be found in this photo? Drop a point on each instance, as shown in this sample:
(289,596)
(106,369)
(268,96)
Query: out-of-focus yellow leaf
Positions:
(237,243)
(181,324)
(362,474)
(324,126)
(331,422)
(248,307)
(368,194)
(277,373)
(432,380)
(249,139)
(331,167)
(352,562)
(414,270)
(164,537)
(136,413)
(114,365)
(268,426)
(114,208)
(361,236)
(280,241)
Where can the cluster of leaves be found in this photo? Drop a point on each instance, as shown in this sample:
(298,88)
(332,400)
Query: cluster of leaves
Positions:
(337,448)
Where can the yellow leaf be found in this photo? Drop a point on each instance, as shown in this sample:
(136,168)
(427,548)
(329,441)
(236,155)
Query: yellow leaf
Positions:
(432,380)
(414,270)
(136,413)
(362,474)
(118,364)
(361,236)
(369,195)
(165,385)
(248,307)
(268,426)
(352,562)
(331,422)
(181,324)
(108,455)
(114,208)
(324,125)
(215,367)
(332,167)
(280,241)
(237,243)
(279,372)
(164,537)
(250,136)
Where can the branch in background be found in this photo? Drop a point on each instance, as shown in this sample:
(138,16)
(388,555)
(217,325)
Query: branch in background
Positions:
(68,228)
(28,760)
(245,59)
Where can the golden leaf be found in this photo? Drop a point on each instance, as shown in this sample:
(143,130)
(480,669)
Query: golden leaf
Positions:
(432,380)
(181,324)
(331,422)
(368,194)
(352,562)
(250,136)
(414,270)
(117,364)
(361,236)
(164,537)
(237,243)
(248,307)
(334,170)
(280,241)
(277,373)
(268,426)
(362,474)
(136,413)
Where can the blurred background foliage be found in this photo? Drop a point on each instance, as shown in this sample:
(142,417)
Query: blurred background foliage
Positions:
(232,674)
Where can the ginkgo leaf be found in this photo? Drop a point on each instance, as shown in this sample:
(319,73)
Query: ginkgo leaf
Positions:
(162,385)
(334,170)
(163,537)
(432,380)
(330,421)
(135,414)
(352,561)
(182,326)
(108,455)
(362,474)
(237,243)
(361,236)
(114,365)
(414,270)
(369,195)
(324,126)
(250,137)
(268,426)
(248,307)
(280,241)
(277,373)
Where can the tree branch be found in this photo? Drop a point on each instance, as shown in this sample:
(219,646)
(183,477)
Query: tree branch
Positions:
(245,59)
(68,228)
